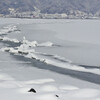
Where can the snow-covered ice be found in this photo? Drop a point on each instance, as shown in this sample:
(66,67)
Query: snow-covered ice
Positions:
(9,29)
(42,58)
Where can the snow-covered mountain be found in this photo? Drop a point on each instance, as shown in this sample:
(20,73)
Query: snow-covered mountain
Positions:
(50,6)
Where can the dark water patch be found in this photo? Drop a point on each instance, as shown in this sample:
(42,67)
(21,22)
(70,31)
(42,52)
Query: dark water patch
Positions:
(57,45)
(61,60)
(3,34)
(11,43)
(54,57)
(14,31)
(90,67)
(48,55)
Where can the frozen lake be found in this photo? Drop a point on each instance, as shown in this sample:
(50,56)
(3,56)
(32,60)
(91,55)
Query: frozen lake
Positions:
(79,39)
(58,52)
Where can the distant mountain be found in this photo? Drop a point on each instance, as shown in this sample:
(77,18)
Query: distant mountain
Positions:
(50,6)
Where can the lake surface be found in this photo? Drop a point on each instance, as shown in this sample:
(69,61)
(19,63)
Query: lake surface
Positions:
(78,39)
(59,46)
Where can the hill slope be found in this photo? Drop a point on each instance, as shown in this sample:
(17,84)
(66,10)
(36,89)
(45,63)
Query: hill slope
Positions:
(50,6)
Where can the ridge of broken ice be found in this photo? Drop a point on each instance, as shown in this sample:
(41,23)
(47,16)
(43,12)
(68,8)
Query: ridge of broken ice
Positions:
(27,49)
(9,39)
(35,43)
(29,52)
(46,44)
(8,29)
